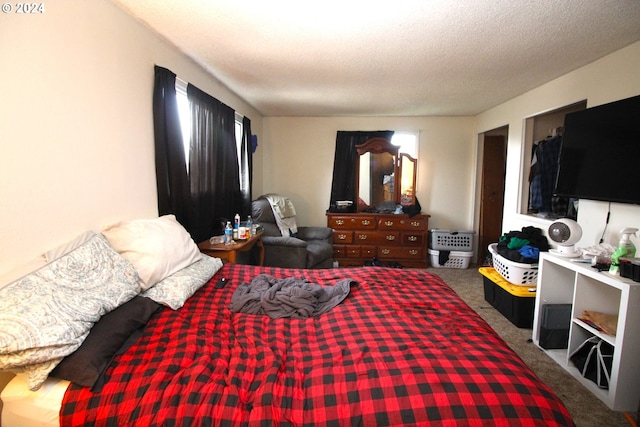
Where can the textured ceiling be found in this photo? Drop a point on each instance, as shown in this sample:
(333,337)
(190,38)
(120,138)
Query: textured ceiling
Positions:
(396,58)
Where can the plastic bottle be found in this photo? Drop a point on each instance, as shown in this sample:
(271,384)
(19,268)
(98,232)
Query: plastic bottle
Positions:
(249,227)
(228,234)
(236,226)
(626,248)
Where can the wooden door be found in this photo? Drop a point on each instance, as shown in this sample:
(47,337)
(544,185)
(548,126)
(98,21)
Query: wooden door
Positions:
(491,193)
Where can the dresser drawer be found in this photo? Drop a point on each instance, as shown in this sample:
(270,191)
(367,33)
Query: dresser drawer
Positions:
(342,237)
(389,237)
(400,252)
(368,251)
(366,237)
(414,253)
(353,251)
(413,239)
(358,222)
(388,252)
(339,251)
(402,223)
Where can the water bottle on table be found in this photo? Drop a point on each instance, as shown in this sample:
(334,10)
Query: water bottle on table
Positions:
(228,234)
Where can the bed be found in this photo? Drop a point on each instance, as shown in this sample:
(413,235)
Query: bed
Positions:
(401,349)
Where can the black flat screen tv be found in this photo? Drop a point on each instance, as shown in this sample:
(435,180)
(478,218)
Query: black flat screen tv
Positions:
(600,154)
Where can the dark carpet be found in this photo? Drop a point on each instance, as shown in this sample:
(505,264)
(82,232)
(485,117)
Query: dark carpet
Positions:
(586,409)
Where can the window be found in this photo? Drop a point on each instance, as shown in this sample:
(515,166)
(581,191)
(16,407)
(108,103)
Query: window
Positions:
(238,120)
(185,121)
(185,116)
(407,141)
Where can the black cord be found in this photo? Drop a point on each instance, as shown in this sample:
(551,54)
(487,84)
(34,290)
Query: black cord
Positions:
(606,224)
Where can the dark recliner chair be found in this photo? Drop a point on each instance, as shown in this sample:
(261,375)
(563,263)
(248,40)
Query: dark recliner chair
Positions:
(311,248)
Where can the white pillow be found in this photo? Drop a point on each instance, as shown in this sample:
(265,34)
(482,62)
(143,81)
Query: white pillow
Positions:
(174,290)
(156,247)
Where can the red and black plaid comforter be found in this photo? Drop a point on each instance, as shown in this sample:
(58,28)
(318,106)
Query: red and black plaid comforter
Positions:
(401,349)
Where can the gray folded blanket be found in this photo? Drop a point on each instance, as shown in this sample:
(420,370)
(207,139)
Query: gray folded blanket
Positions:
(288,297)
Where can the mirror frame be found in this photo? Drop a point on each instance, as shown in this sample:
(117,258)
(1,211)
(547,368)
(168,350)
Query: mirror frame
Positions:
(380,146)
(406,197)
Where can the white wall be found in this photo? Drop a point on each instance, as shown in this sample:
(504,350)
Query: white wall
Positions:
(76,129)
(77,138)
(611,78)
(299,153)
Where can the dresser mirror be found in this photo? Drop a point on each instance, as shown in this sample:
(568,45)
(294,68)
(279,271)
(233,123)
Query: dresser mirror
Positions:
(408,166)
(383,174)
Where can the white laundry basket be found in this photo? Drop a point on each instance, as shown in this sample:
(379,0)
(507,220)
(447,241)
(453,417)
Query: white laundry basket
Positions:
(457,259)
(513,272)
(451,240)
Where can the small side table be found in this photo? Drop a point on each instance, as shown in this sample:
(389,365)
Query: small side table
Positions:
(229,253)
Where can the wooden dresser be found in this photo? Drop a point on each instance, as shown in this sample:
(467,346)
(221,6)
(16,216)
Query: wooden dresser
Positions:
(359,237)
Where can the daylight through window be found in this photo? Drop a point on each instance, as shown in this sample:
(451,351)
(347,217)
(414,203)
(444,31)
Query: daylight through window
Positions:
(184,113)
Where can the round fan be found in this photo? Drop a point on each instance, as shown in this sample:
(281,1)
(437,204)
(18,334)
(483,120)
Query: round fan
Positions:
(565,233)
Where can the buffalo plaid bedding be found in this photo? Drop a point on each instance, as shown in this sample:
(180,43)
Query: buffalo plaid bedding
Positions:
(401,349)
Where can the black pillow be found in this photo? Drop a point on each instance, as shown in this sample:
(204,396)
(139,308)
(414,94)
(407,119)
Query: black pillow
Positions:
(85,365)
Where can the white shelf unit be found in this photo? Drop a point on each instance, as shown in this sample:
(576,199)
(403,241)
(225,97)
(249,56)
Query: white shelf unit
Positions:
(561,281)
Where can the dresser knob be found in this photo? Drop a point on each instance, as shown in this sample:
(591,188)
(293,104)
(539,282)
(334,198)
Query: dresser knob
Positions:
(413,252)
(386,251)
(388,223)
(362,237)
(413,238)
(342,236)
(366,222)
(339,222)
(391,237)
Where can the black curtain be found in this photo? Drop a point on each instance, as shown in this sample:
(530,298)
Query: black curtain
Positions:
(343,186)
(246,167)
(213,164)
(171,173)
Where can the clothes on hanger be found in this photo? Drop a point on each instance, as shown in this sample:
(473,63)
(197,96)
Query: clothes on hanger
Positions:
(545,158)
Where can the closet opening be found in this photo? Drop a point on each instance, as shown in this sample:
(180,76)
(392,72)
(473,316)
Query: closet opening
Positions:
(542,143)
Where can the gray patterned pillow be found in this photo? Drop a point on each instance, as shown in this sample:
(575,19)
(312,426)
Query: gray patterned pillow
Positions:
(175,289)
(47,314)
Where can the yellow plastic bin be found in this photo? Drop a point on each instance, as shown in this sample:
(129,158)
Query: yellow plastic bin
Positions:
(515,302)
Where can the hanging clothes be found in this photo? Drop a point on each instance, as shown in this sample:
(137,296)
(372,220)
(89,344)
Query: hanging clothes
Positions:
(545,159)
(535,190)
(548,156)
